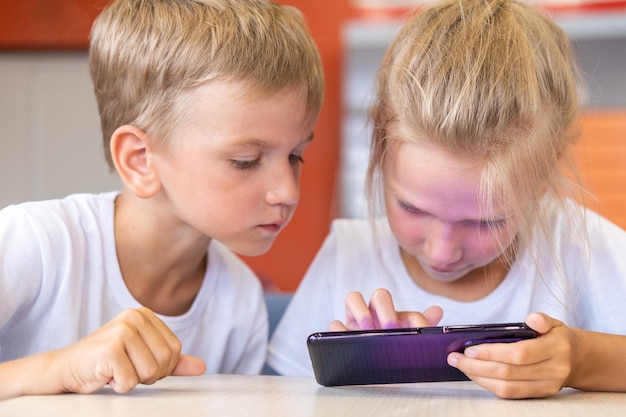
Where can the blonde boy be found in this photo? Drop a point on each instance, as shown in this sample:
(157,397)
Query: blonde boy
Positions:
(206,109)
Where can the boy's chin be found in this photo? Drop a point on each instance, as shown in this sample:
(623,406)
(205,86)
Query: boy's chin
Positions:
(251,250)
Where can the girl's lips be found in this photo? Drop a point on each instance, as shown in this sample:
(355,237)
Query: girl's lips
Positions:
(441,270)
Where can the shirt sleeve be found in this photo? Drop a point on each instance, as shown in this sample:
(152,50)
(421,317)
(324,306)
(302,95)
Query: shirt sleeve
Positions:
(20,263)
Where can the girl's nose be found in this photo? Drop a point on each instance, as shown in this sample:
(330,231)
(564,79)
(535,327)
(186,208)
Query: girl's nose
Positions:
(442,245)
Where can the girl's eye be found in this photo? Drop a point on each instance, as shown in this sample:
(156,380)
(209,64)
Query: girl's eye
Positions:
(243,165)
(296,159)
(410,209)
(490,224)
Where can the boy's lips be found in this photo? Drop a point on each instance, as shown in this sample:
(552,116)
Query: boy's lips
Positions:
(273,227)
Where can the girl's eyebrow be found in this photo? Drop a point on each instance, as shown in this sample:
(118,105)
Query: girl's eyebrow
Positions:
(499,218)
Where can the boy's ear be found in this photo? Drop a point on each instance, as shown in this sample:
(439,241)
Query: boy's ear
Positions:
(131,150)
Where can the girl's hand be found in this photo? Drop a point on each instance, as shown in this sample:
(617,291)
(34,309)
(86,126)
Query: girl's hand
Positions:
(136,347)
(532,368)
(381,314)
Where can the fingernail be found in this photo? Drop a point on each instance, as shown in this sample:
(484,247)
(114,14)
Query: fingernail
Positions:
(471,353)
(453,360)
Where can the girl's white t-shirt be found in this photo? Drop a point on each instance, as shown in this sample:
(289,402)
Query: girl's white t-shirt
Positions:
(588,291)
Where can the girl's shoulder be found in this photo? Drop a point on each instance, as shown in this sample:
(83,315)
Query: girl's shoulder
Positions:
(362,231)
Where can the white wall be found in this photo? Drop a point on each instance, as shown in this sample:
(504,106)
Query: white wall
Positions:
(50,142)
(599,42)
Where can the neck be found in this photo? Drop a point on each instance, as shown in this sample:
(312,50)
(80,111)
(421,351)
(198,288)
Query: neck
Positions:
(162,261)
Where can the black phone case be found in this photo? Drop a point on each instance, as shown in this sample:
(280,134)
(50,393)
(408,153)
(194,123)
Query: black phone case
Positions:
(401,355)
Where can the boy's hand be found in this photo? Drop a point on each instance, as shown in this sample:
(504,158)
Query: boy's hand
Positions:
(381,314)
(532,368)
(136,347)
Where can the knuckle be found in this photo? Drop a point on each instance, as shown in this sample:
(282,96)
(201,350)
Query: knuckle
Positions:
(176,346)
(126,385)
(149,373)
(131,315)
(504,390)
(123,330)
(506,372)
(380,294)
(353,295)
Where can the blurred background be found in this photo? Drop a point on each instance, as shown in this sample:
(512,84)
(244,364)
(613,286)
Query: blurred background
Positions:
(50,143)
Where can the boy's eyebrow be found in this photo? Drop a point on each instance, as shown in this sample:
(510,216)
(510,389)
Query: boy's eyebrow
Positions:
(260,143)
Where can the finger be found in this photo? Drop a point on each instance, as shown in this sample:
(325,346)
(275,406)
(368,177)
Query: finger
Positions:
(337,326)
(518,389)
(124,377)
(118,371)
(167,355)
(553,346)
(509,361)
(93,366)
(358,315)
(382,310)
(428,318)
(433,315)
(189,366)
(151,346)
(489,369)
(516,353)
(136,351)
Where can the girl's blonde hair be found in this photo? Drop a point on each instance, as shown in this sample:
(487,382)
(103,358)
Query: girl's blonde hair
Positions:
(493,80)
(146,56)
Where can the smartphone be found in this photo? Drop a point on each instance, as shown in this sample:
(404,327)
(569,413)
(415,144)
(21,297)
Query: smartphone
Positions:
(401,355)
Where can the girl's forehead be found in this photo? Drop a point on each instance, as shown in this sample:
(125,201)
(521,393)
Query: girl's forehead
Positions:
(427,155)
(431,178)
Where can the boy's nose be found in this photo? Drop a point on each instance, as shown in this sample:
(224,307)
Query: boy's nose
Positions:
(285,188)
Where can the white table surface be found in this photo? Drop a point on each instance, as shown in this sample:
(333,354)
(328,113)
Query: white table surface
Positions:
(276,396)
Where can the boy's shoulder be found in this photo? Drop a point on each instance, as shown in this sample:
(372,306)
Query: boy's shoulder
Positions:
(71,200)
(74,208)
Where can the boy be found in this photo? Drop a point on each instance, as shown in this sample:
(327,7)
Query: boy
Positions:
(206,108)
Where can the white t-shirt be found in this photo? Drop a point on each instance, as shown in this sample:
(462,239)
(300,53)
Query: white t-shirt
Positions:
(359,257)
(60,280)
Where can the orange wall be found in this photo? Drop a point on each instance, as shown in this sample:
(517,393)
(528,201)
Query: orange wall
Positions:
(601,161)
(47,24)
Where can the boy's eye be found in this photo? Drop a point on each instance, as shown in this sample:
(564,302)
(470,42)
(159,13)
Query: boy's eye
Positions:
(296,159)
(246,164)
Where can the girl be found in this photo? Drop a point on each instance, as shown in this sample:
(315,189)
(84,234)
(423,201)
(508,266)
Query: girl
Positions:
(474,116)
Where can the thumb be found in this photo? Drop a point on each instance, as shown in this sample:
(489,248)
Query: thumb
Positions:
(541,323)
(189,366)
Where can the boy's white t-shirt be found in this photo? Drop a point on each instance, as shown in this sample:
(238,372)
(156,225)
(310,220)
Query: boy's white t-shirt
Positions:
(60,280)
(358,257)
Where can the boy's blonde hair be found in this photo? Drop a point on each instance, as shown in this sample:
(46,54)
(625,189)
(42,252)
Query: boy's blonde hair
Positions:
(493,80)
(146,56)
